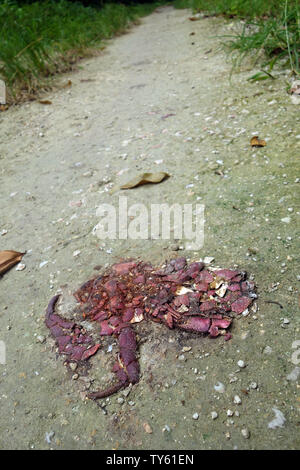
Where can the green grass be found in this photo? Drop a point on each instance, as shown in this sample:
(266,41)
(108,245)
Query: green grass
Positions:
(270,33)
(40,39)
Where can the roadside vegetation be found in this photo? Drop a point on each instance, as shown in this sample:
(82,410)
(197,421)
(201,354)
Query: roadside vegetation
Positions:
(39,39)
(270,29)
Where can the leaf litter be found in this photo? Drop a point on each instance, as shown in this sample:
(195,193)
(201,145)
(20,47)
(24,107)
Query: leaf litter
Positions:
(8,259)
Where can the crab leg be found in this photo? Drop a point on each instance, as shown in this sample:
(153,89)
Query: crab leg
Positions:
(126,369)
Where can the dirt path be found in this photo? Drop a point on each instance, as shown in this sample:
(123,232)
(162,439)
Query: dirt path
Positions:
(57,164)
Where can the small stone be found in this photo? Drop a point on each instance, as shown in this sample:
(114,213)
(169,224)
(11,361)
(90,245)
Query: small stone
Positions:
(219,387)
(253,385)
(236,413)
(286,321)
(75,377)
(181,357)
(227,435)
(195,416)
(237,400)
(174,247)
(76,253)
(131,403)
(120,400)
(20,267)
(245,433)
(241,364)
(147,428)
(268,350)
(166,428)
(214,415)
(126,392)
(229,413)
(186,348)
(73,366)
(293,376)
(48,436)
(41,339)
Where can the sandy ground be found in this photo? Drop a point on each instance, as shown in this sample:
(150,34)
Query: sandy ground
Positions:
(57,165)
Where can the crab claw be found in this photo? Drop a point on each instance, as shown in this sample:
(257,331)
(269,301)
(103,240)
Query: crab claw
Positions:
(195,324)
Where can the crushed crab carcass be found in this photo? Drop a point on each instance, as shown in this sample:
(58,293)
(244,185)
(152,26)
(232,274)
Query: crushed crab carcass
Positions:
(192,297)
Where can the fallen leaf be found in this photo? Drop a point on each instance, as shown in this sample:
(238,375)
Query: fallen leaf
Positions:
(194,18)
(8,258)
(45,101)
(69,83)
(144,179)
(3,107)
(256,142)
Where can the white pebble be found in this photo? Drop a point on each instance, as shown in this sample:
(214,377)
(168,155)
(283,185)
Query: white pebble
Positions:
(219,387)
(214,415)
(48,436)
(241,364)
(195,416)
(41,339)
(20,267)
(245,433)
(43,263)
(237,400)
(278,421)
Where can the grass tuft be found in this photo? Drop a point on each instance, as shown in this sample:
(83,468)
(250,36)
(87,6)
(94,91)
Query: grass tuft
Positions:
(271,28)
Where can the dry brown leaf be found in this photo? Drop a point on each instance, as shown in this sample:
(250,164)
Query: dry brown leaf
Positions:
(194,18)
(69,83)
(145,178)
(8,258)
(256,142)
(3,107)
(45,102)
